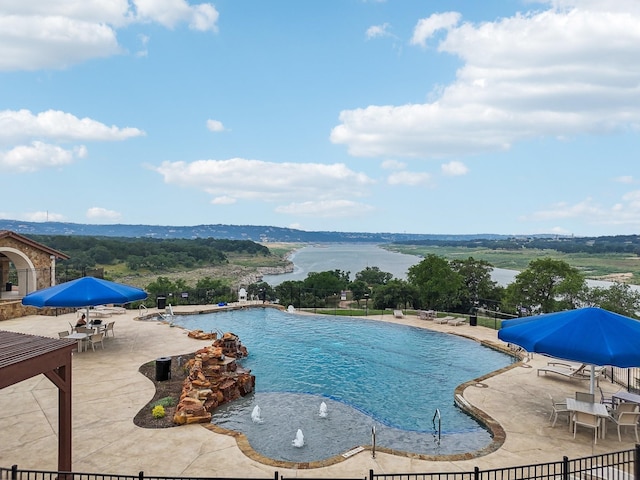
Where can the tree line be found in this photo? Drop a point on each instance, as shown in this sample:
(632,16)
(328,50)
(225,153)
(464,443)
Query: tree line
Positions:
(629,244)
(146,253)
(461,286)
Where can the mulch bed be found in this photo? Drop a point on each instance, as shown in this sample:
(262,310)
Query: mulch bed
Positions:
(167,388)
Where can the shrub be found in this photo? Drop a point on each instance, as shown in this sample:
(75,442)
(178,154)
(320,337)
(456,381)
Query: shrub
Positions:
(158,411)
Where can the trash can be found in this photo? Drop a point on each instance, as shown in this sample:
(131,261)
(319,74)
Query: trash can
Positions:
(163,369)
(162,302)
(9,286)
(473,320)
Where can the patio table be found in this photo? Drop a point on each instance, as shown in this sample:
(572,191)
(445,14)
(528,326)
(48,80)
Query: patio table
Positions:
(624,396)
(81,337)
(597,409)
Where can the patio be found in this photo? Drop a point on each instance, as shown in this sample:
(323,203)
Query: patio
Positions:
(108,391)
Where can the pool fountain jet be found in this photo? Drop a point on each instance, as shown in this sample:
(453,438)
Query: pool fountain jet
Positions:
(323,410)
(255,415)
(298,442)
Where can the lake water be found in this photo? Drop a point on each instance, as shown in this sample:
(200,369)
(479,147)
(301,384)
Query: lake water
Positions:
(354,258)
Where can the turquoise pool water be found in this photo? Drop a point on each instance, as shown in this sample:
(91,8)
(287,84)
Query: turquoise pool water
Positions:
(368,373)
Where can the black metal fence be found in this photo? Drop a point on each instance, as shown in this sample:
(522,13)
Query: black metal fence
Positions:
(622,465)
(626,377)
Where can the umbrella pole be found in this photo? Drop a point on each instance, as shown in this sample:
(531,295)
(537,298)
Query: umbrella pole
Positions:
(592,380)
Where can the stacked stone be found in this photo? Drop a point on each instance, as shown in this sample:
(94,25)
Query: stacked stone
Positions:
(214,379)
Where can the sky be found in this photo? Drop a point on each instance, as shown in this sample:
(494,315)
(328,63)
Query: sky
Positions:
(403,116)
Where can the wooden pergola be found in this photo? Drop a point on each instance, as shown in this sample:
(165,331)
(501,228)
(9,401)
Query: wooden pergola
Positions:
(24,356)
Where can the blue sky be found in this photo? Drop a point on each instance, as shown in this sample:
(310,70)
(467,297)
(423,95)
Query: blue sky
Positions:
(510,117)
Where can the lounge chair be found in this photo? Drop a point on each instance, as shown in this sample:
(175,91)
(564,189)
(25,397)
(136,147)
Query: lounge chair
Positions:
(457,321)
(581,373)
(398,314)
(443,319)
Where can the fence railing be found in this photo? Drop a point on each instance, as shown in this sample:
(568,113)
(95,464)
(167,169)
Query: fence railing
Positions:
(622,465)
(626,377)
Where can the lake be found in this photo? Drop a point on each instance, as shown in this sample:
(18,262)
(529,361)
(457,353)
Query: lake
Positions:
(354,258)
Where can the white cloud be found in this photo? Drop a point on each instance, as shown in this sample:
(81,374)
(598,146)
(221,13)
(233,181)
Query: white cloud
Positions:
(409,178)
(624,212)
(215,126)
(99,213)
(426,27)
(22,124)
(624,179)
(376,31)
(393,165)
(54,127)
(454,169)
(224,200)
(326,208)
(171,12)
(46,34)
(239,179)
(35,216)
(38,155)
(553,73)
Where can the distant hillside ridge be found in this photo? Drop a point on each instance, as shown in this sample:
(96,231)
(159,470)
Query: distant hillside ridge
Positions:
(257,233)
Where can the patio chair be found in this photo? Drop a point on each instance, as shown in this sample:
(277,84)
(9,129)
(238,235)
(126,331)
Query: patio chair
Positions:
(557,408)
(606,401)
(585,397)
(398,314)
(95,339)
(586,420)
(109,328)
(627,415)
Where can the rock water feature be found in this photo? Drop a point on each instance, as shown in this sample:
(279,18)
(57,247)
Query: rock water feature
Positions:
(214,379)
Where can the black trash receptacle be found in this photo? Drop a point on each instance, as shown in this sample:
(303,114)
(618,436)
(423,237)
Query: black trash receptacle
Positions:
(162,302)
(163,369)
(9,286)
(473,320)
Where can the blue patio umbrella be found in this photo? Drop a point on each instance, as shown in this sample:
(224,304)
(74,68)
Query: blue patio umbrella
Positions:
(84,292)
(587,335)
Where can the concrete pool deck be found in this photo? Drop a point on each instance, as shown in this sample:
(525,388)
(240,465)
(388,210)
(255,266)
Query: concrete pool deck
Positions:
(108,391)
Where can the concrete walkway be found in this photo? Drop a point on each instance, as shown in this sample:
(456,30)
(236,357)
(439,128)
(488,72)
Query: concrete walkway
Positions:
(108,391)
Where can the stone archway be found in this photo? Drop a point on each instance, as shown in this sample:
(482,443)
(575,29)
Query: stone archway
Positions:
(34,263)
(25,268)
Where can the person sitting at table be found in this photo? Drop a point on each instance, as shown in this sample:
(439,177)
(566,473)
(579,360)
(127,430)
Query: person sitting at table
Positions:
(82,321)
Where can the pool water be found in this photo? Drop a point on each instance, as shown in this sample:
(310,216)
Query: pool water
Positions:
(368,373)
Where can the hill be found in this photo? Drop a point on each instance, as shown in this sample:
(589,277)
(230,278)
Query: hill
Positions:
(257,233)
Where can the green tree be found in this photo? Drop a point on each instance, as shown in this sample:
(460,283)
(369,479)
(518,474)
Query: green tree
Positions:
(358,290)
(325,284)
(373,276)
(438,285)
(547,285)
(395,293)
(476,275)
(619,298)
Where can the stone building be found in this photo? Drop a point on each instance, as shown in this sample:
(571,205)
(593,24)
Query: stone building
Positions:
(25,265)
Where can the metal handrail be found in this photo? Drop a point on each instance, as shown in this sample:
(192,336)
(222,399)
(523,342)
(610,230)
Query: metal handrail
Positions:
(437,414)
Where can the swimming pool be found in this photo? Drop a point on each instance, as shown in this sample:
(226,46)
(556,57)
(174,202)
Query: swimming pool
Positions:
(368,373)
